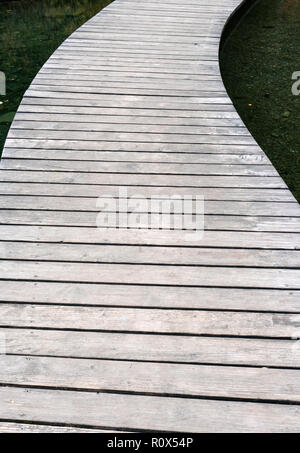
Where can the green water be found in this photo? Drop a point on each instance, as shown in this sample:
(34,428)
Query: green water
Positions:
(30,31)
(257,63)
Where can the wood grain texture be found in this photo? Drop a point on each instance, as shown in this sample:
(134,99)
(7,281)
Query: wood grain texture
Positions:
(147,412)
(157,378)
(19,428)
(154,348)
(151,274)
(212,298)
(183,322)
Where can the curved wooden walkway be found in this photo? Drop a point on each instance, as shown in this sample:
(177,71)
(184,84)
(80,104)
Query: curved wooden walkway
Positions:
(135,329)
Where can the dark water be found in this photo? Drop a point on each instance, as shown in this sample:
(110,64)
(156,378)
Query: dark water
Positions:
(30,31)
(257,63)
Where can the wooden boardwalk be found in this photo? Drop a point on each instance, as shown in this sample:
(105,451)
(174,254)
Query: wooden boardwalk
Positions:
(135,329)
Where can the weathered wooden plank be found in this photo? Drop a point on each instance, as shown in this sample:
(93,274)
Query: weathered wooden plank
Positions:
(135,49)
(10,427)
(151,275)
(146,412)
(159,18)
(232,239)
(164,23)
(140,168)
(203,30)
(119,179)
(115,114)
(82,117)
(159,46)
(173,7)
(128,128)
(147,31)
(82,145)
(77,88)
(130,76)
(157,348)
(194,39)
(163,42)
(149,255)
(94,190)
(173,379)
(132,156)
(148,10)
(157,67)
(212,222)
(132,137)
(128,99)
(180,80)
(136,55)
(158,130)
(120,40)
(155,296)
(184,322)
(257,208)
(33,100)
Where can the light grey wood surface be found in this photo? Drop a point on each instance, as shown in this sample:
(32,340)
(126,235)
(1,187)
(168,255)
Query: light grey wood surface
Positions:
(31,428)
(142,329)
(188,322)
(238,351)
(140,411)
(157,378)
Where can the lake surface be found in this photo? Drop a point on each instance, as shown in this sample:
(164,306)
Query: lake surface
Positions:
(30,31)
(257,63)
